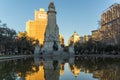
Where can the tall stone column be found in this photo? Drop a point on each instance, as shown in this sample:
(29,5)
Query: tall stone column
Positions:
(52,30)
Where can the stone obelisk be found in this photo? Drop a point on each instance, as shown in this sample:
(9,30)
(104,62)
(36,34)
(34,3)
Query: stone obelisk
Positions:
(52,30)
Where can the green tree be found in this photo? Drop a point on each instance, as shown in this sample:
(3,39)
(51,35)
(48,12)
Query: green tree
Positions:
(25,44)
(7,38)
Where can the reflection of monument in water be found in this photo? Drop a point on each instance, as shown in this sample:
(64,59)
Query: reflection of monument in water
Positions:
(52,30)
(52,70)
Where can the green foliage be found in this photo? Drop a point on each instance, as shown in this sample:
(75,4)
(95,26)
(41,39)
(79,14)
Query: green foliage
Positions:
(25,44)
(21,67)
(95,47)
(10,44)
(7,38)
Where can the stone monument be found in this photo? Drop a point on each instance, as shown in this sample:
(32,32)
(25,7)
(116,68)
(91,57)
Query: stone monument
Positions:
(51,41)
(37,49)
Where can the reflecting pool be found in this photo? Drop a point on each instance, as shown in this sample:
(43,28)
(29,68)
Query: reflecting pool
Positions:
(61,68)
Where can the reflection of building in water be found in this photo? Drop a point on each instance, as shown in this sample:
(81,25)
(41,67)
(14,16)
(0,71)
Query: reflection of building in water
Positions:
(105,75)
(38,70)
(73,68)
(61,69)
(86,71)
(37,75)
(111,72)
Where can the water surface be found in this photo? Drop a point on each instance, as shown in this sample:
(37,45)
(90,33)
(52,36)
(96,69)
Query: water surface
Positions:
(61,68)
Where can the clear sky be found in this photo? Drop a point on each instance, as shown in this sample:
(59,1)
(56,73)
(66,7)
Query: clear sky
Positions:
(81,16)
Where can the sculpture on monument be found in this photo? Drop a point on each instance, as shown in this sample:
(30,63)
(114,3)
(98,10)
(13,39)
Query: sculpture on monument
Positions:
(37,49)
(55,46)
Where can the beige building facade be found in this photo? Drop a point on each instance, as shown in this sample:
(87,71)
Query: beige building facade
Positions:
(36,28)
(96,36)
(87,38)
(73,39)
(110,25)
(61,40)
(109,32)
